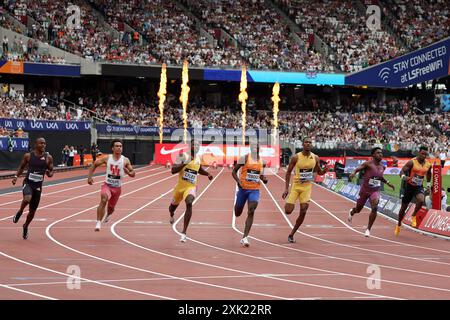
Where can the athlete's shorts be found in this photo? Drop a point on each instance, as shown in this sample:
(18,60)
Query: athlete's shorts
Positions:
(113,194)
(28,189)
(244,195)
(364,195)
(410,192)
(300,192)
(181,194)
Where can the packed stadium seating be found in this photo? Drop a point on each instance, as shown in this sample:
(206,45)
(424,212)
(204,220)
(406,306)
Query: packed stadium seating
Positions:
(358,125)
(418,22)
(155,31)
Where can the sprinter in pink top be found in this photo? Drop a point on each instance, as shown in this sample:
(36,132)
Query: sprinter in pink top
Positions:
(116,167)
(371,185)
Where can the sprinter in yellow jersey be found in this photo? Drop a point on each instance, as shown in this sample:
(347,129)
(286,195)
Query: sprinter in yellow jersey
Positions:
(249,183)
(187,167)
(306,164)
(413,173)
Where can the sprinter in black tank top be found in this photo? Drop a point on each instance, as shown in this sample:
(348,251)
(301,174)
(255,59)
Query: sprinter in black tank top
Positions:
(40,163)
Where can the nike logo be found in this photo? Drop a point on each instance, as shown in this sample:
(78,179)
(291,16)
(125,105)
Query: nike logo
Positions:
(164,151)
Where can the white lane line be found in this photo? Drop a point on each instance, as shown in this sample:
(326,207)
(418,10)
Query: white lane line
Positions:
(85,279)
(27,292)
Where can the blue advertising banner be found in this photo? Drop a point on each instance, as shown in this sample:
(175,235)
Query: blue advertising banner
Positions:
(41,125)
(153,131)
(18,144)
(275,76)
(388,205)
(392,207)
(346,190)
(425,64)
(52,69)
(354,192)
(383,200)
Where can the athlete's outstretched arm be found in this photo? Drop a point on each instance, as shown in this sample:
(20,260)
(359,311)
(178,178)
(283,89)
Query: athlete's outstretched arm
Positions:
(358,169)
(236,168)
(23,164)
(49,172)
(128,168)
(406,169)
(203,172)
(318,169)
(383,179)
(97,163)
(291,166)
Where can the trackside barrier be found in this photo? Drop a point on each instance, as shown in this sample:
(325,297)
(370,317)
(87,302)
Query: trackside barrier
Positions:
(432,221)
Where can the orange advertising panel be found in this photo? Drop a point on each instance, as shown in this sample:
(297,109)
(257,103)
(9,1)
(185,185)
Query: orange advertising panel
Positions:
(12,67)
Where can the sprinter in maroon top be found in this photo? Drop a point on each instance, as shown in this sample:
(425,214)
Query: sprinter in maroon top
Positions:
(371,185)
(40,164)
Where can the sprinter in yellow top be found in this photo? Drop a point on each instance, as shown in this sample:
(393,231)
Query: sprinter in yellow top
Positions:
(306,165)
(188,167)
(414,173)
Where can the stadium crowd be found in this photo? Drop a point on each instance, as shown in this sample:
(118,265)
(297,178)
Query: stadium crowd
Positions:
(91,39)
(172,32)
(393,123)
(265,38)
(165,31)
(340,24)
(418,22)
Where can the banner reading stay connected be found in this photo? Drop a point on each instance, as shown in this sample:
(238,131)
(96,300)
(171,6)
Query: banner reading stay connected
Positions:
(41,125)
(421,65)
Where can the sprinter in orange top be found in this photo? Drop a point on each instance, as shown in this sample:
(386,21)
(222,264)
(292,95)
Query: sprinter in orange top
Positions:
(413,173)
(248,183)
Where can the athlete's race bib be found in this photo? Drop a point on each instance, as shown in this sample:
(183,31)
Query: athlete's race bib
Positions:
(253,176)
(190,176)
(35,177)
(113,181)
(375,182)
(417,180)
(306,175)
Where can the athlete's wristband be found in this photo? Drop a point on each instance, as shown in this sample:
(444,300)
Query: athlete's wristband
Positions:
(428,184)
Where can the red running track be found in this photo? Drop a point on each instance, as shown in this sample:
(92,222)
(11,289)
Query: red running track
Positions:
(138,254)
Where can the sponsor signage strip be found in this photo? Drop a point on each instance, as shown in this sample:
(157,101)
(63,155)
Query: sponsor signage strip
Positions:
(152,131)
(219,154)
(18,144)
(437,186)
(44,125)
(432,221)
